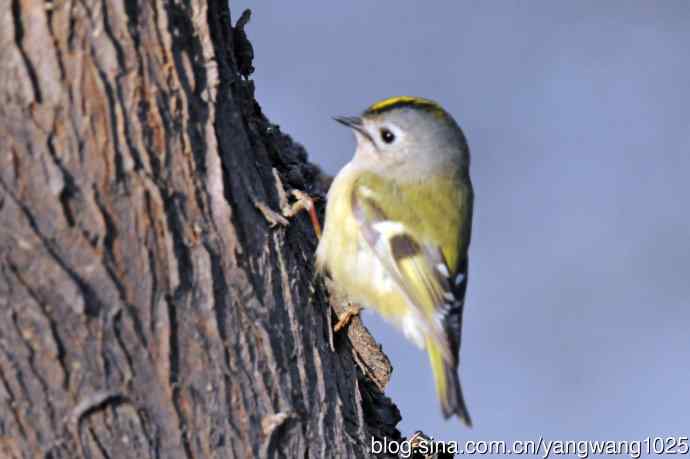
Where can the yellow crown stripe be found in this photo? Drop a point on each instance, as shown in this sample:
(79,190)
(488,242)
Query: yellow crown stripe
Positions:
(404,101)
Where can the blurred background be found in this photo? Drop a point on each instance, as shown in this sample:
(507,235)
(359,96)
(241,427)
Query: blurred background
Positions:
(577,323)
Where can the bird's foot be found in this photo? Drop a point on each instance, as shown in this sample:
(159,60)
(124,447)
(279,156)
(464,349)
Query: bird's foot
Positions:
(303,202)
(351,311)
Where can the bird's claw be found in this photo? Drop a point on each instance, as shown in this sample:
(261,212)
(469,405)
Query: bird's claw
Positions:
(350,313)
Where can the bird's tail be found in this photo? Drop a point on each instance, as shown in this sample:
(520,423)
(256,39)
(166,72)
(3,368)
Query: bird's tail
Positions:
(447,384)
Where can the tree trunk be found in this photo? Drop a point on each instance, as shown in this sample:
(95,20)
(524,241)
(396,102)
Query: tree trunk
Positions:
(148,307)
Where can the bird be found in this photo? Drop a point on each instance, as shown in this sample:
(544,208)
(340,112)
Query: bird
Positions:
(397,230)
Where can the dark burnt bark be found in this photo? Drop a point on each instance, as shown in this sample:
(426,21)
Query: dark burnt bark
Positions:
(147,307)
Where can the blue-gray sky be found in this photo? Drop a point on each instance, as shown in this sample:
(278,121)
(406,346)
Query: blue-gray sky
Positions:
(577,322)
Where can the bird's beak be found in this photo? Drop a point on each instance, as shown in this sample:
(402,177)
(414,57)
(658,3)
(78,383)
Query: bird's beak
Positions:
(356,123)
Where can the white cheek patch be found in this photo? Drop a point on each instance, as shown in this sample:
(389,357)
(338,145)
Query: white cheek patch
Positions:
(374,130)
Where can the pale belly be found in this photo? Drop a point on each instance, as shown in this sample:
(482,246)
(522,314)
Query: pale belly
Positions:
(359,276)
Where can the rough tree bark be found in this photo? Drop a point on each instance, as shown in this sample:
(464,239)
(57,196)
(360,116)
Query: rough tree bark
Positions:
(147,307)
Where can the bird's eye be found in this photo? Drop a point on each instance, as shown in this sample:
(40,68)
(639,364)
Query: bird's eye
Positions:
(387,136)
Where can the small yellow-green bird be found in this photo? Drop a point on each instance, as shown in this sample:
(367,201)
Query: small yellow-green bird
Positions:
(397,229)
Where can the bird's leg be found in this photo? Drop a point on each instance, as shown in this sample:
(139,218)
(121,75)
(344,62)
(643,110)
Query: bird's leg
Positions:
(350,312)
(303,202)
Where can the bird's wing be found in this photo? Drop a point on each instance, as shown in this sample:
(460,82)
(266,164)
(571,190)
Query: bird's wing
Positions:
(435,291)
